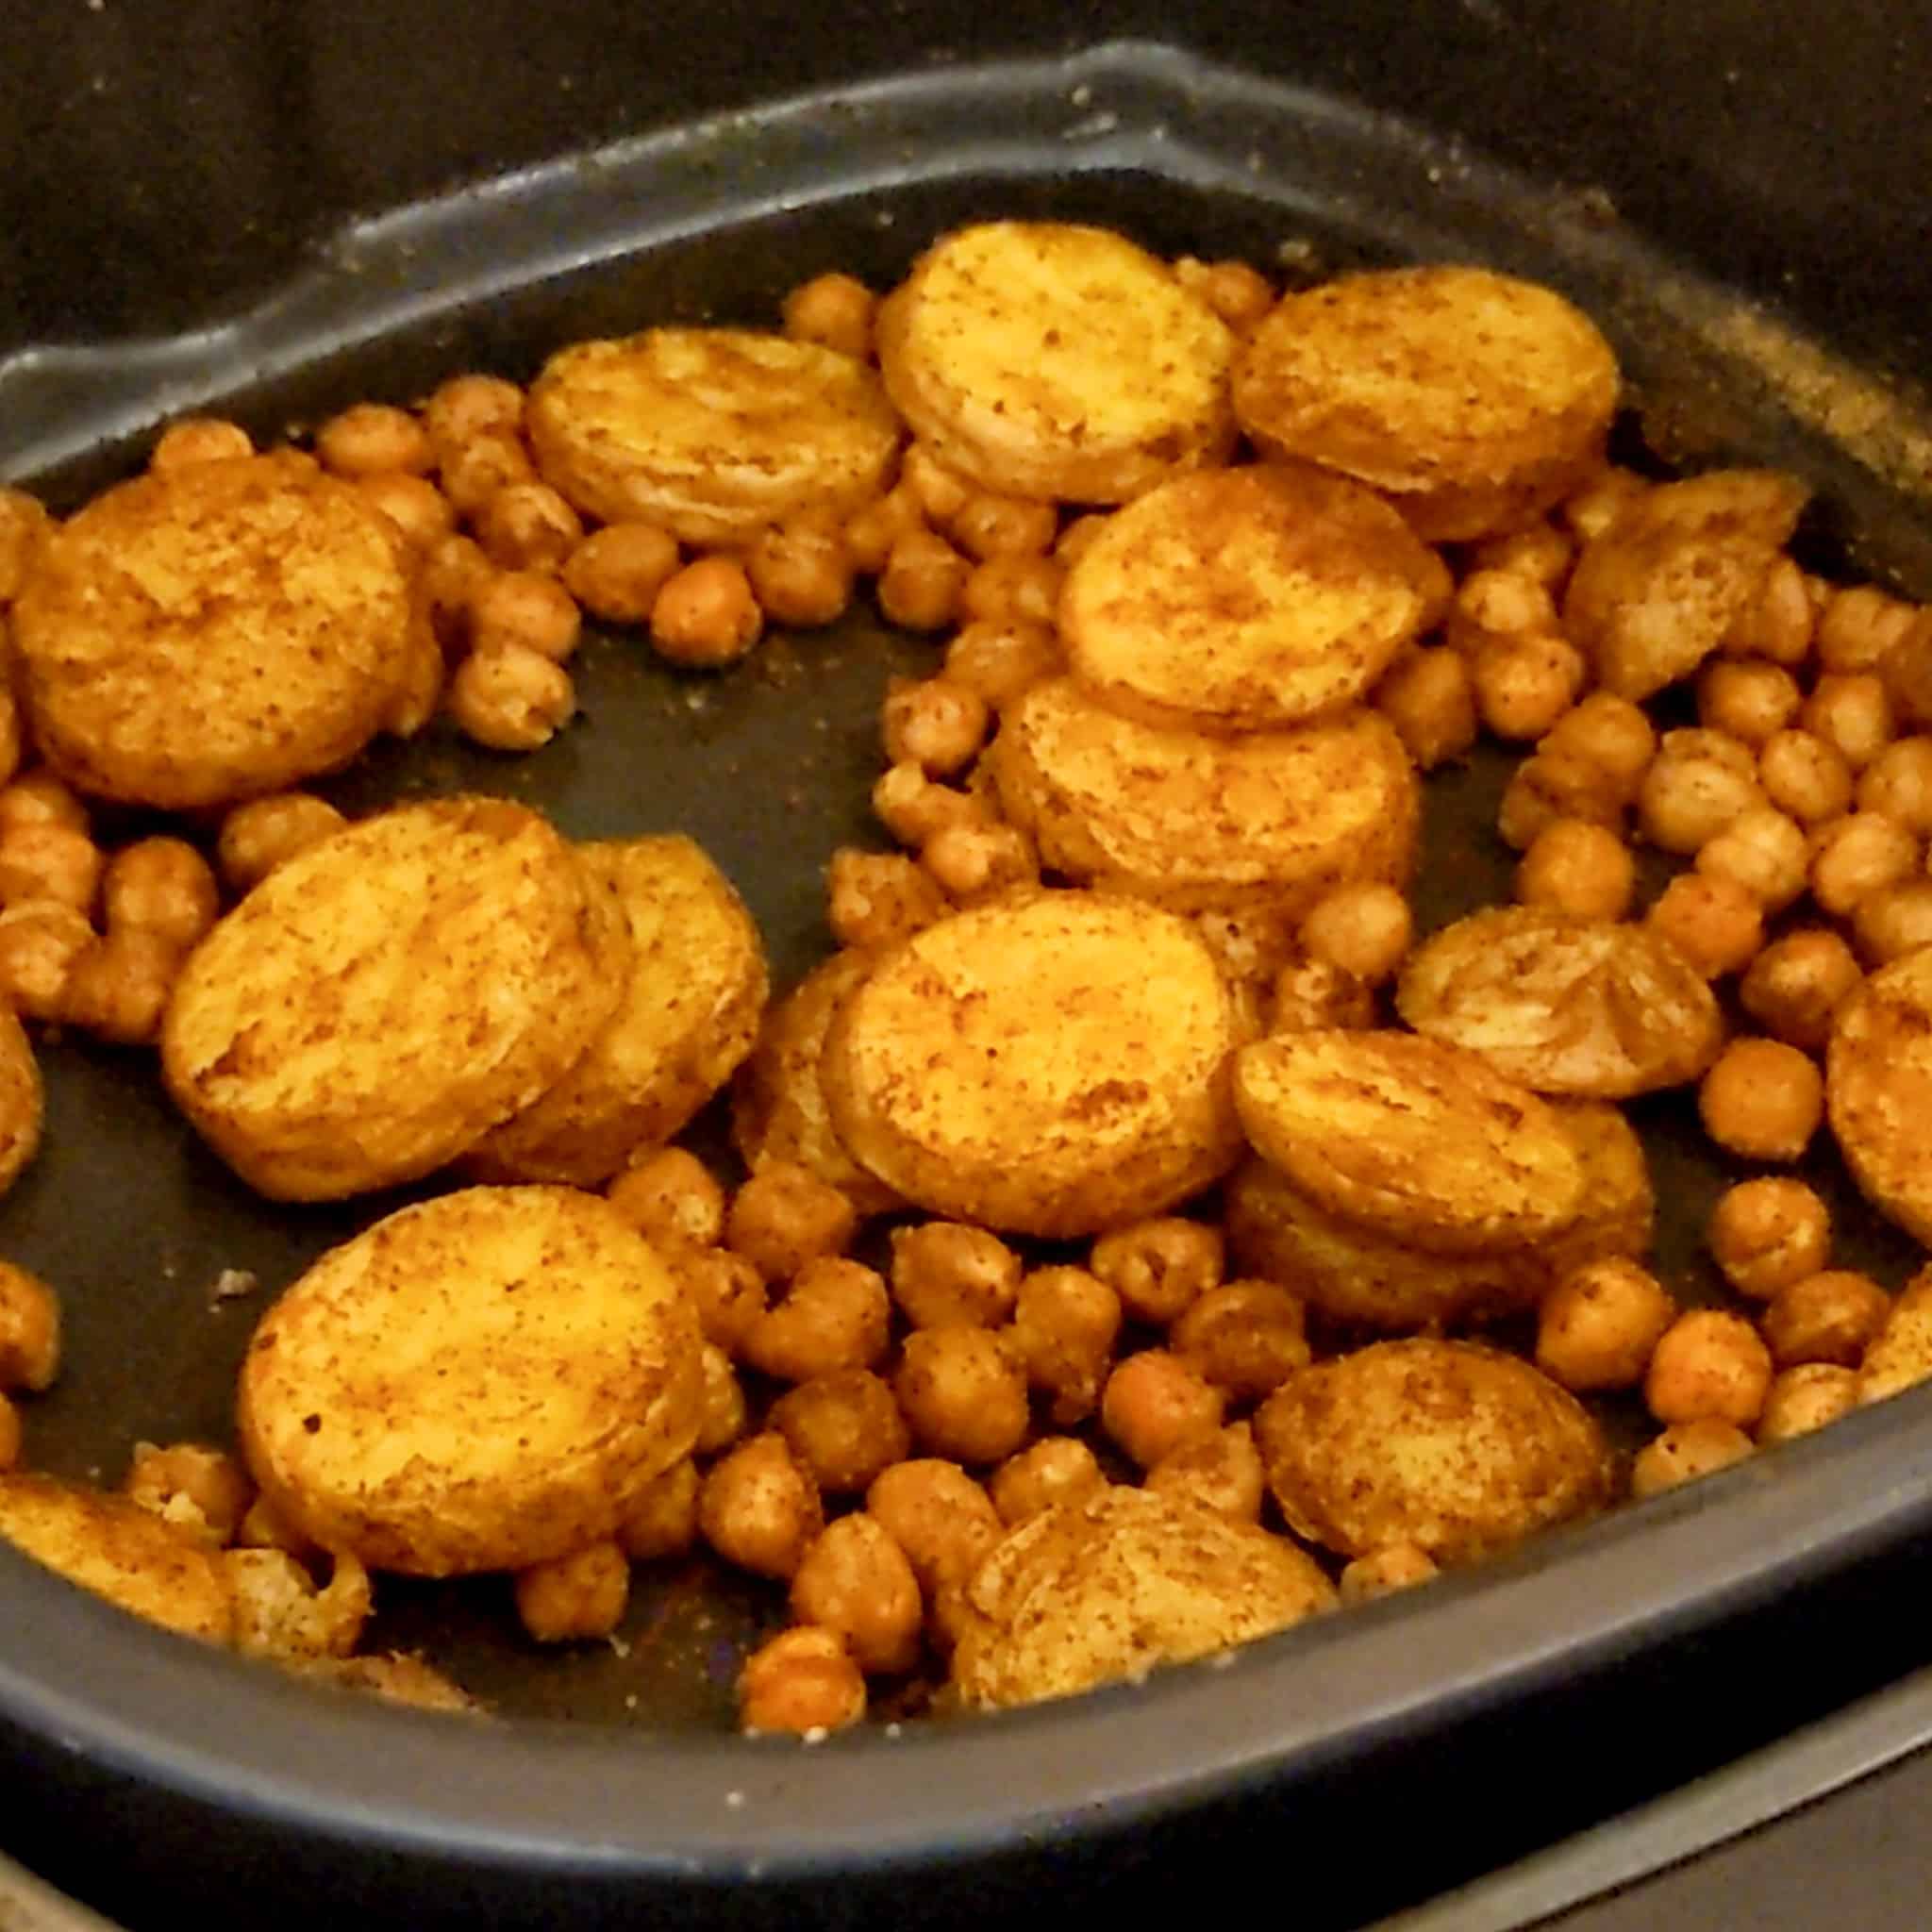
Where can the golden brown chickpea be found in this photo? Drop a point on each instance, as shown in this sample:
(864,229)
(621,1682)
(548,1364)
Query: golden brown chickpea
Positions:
(468,407)
(256,837)
(939,1515)
(1012,589)
(1851,712)
(1762,1099)
(759,1509)
(670,1196)
(1684,1452)
(1539,551)
(1855,856)
(201,1490)
(453,571)
(24,522)
(1552,785)
(1893,921)
(12,1435)
(914,808)
(1161,1267)
(198,440)
(945,1273)
(1239,294)
(987,525)
(706,615)
(616,572)
(876,899)
(784,1217)
(802,1681)
(1364,928)
(1002,661)
(939,490)
(801,571)
(726,1291)
(1763,853)
(1803,775)
(1611,734)
(933,724)
(1494,605)
(118,988)
(12,737)
(1246,1337)
(1749,698)
(1716,924)
(844,1429)
(576,1598)
(920,584)
(1395,1566)
(964,1392)
(1429,698)
(871,531)
(1155,1402)
(834,311)
(528,526)
(510,698)
(836,1316)
(375,439)
(162,885)
(1708,1365)
(1525,685)
(1906,671)
(1312,994)
(1579,868)
(1777,624)
(40,942)
(1858,626)
(1796,985)
(423,514)
(524,610)
(855,1581)
(1766,1234)
(1055,1469)
(1828,1317)
(1898,782)
(661,1520)
(49,862)
(1065,1325)
(473,472)
(29,1330)
(1222,1471)
(726,1414)
(1596,1329)
(972,860)
(1698,783)
(1806,1398)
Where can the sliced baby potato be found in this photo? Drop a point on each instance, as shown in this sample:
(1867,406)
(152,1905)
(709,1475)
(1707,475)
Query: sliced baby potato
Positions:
(1585,1008)
(23,1102)
(1410,1137)
(1107,1588)
(1244,599)
(1878,1089)
(688,1015)
(1050,1063)
(714,433)
(389,994)
(213,632)
(1473,400)
(482,1382)
(1052,360)
(1456,1448)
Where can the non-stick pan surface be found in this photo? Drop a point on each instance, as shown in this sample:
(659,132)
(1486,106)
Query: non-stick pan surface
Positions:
(147,1767)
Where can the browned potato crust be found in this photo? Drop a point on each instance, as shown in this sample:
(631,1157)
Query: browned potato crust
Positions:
(1458,1449)
(1111,1586)
(390,993)
(1878,1089)
(221,630)
(22,1101)
(482,1382)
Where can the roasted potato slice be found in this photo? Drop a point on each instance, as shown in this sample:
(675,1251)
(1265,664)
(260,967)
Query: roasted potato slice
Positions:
(1050,1063)
(279,1612)
(1900,1355)
(214,632)
(778,1110)
(1241,600)
(714,433)
(688,1015)
(388,995)
(1453,1447)
(1878,1089)
(1410,1137)
(118,1550)
(1198,823)
(23,1102)
(480,1382)
(394,1676)
(1586,1007)
(1047,359)
(1109,1587)
(1473,400)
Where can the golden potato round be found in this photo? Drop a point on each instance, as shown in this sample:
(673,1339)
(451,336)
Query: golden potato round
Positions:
(712,433)
(1408,1137)
(1050,360)
(1239,600)
(1879,1087)
(1202,823)
(390,993)
(118,1550)
(689,1014)
(484,1381)
(1568,1006)
(1471,399)
(1112,1585)
(1900,1355)
(1456,1448)
(22,1101)
(213,633)
(1051,1063)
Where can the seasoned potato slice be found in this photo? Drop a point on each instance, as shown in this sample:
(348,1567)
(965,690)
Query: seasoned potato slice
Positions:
(228,628)
(714,433)
(778,1107)
(1653,596)
(21,1100)
(688,1015)
(1458,1449)
(117,1549)
(281,1613)
(1410,1137)
(1878,1089)
(1092,1591)
(1355,1275)
(1471,399)
(394,1676)
(482,1382)
(1570,1006)
(1050,1063)
(1046,359)
(1900,1355)
(389,994)
(1239,600)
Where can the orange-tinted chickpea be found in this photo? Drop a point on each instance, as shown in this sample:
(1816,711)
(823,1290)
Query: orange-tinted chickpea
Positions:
(1002,660)
(933,724)
(971,859)
(49,862)
(162,885)
(1762,1099)
(1851,712)
(1244,1337)
(473,472)
(855,1581)
(1239,294)
(946,1273)
(118,988)
(1055,1469)
(616,572)
(1552,785)
(12,733)
(1611,734)
(1523,684)
(200,1489)
(453,571)
(1684,1452)
(1155,1402)
(1898,782)
(914,808)
(1365,928)
(40,942)
(1577,867)
(375,439)
(1076,538)
(1796,985)
(1858,626)
(1065,1323)
(1222,1472)
(939,1515)
(1597,1328)
(939,490)
(1777,624)
(661,1520)
(525,609)
(24,522)
(576,1598)
(758,1509)
(876,899)
(39,798)
(920,584)
(706,615)
(414,504)
(671,1196)
(835,1316)
(1695,786)
(1766,1234)
(963,1391)
(1161,1267)
(1803,775)
(1893,921)
(1312,992)
(1429,697)
(1492,604)
(29,1330)
(1749,699)
(1395,1566)
(1828,1317)
(987,525)
(1016,589)
(726,1414)
(803,1681)
(1806,1398)
(784,1217)
(1855,856)
(528,526)
(1763,852)
(510,698)
(198,440)
(834,311)
(256,837)
(844,1429)
(871,531)
(1708,1365)
(1539,551)
(1713,922)
(801,571)
(1907,672)
(468,407)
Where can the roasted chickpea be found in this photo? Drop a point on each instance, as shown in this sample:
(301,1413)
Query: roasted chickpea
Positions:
(1065,1325)
(801,571)
(1713,922)
(945,1273)
(940,491)
(758,1508)
(12,737)
(971,859)
(468,407)
(914,808)
(920,584)
(1016,587)
(1155,1402)
(1684,1452)
(423,514)
(1312,992)
(1002,660)
(1762,1099)
(939,1515)
(727,1413)
(1239,294)
(24,522)
(1524,684)
(256,837)
(1611,734)
(1698,783)
(1796,985)
(1577,867)
(1855,856)
(1395,1566)
(1763,852)
(1803,775)
(1055,1470)
(118,987)
(855,1580)
(453,571)
(375,439)
(934,723)
(726,1291)
(785,1216)
(1244,1337)
(669,1195)
(836,1316)
(198,440)
(1851,712)
(528,526)
(40,942)
(511,698)
(526,609)
(844,1429)
(1075,538)
(39,798)
(1748,698)
(1806,1398)
(875,899)
(1364,928)
(1597,1327)
(1222,1472)
(706,615)
(12,1435)
(29,1330)
(1858,626)
(473,472)
(1539,551)
(963,1391)
(202,1492)
(575,1598)
(1708,1365)
(1777,624)
(162,885)
(1906,671)
(1161,1267)
(1766,1234)
(49,862)
(1893,921)
(803,1681)
(871,531)
(834,311)
(616,572)
(661,1520)
(1828,1317)
(1429,697)
(1552,785)
(1898,782)
(1491,605)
